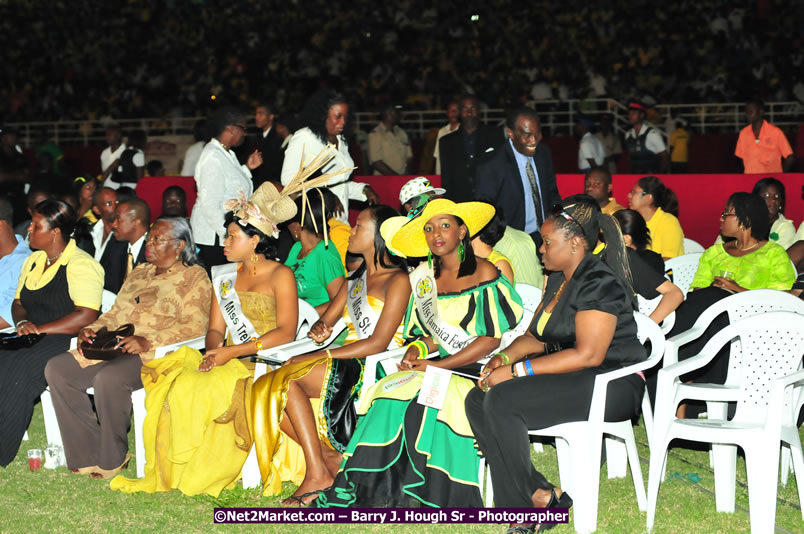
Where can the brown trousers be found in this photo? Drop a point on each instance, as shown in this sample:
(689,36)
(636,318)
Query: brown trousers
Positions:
(100,436)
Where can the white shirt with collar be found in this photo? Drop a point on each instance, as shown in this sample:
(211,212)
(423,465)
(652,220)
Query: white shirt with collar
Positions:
(590,148)
(218,177)
(306,141)
(447,129)
(135,248)
(97,239)
(108,157)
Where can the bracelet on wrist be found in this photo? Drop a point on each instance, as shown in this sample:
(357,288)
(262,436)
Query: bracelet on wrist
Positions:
(505,359)
(529,368)
(519,369)
(17,325)
(424,350)
(257,343)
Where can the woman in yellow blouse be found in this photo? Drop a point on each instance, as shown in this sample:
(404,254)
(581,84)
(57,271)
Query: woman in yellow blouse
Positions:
(166,299)
(373,303)
(658,205)
(59,292)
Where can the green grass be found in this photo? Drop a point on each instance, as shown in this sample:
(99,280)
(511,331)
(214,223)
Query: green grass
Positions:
(57,501)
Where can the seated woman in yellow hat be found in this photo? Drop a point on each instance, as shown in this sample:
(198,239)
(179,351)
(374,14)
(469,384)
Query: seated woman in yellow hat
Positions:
(403,453)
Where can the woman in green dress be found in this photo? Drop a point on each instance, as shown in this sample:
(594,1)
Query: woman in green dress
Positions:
(403,453)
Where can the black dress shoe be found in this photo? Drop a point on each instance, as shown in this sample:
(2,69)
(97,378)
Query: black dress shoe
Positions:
(565,501)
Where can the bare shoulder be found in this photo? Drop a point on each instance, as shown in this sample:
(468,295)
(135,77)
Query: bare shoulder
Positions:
(486,271)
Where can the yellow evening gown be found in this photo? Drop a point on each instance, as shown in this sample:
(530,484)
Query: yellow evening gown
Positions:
(196,429)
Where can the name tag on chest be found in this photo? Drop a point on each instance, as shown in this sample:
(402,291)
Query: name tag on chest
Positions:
(434,387)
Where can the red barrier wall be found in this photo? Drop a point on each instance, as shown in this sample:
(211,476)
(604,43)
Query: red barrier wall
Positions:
(150,189)
(701,197)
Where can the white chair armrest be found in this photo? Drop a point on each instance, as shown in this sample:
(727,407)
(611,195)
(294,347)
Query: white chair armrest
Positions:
(672,345)
(305,345)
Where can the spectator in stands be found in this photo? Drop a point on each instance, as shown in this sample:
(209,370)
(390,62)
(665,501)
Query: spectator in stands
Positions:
(597,184)
(388,145)
(269,143)
(32,199)
(155,168)
(174,202)
(747,262)
(193,152)
(218,177)
(415,187)
(590,149)
(14,172)
(315,263)
(132,218)
(679,147)
(463,150)
(762,146)
(453,123)
(323,122)
(45,145)
(167,301)
(658,205)
(131,164)
(519,176)
(484,244)
(647,153)
(110,157)
(13,253)
(647,267)
(782,230)
(59,293)
(612,146)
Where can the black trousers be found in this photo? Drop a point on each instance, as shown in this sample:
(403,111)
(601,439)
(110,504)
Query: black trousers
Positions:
(501,418)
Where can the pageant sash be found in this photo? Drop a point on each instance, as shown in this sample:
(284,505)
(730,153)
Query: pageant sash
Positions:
(363,316)
(223,283)
(425,294)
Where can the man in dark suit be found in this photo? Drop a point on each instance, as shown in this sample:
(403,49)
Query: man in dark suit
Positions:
(132,218)
(461,151)
(519,178)
(269,143)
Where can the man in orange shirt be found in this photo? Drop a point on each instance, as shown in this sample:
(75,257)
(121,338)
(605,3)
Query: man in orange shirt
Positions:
(762,146)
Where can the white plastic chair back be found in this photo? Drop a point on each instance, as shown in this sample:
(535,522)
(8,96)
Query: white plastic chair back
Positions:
(646,307)
(773,345)
(683,270)
(691,246)
(107,300)
(307,316)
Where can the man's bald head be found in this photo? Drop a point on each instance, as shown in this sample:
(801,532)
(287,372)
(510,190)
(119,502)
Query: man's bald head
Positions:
(131,220)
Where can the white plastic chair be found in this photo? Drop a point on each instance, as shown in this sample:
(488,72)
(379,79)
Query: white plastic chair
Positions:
(683,270)
(773,345)
(646,307)
(107,300)
(578,444)
(691,246)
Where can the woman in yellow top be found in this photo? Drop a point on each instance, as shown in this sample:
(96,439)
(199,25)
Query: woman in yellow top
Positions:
(59,293)
(483,245)
(658,205)
(749,261)
(196,429)
(373,303)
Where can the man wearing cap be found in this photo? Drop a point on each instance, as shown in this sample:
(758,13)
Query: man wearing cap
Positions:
(519,180)
(762,146)
(590,150)
(414,188)
(461,151)
(647,153)
(388,145)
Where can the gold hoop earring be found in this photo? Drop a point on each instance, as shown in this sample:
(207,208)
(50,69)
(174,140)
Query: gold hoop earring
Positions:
(574,250)
(254,261)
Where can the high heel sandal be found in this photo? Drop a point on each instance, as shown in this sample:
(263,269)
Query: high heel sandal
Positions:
(110,473)
(565,501)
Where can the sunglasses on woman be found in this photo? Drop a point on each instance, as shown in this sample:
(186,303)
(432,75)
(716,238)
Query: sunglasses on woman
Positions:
(559,211)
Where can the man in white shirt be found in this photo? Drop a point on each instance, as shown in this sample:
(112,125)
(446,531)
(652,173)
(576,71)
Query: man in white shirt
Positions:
(590,150)
(453,123)
(131,163)
(647,152)
(110,157)
(220,177)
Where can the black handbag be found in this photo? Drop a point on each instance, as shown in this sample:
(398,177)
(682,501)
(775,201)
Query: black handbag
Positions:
(14,342)
(103,346)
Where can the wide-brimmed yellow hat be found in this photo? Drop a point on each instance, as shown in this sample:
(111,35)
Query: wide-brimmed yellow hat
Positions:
(388,230)
(410,241)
